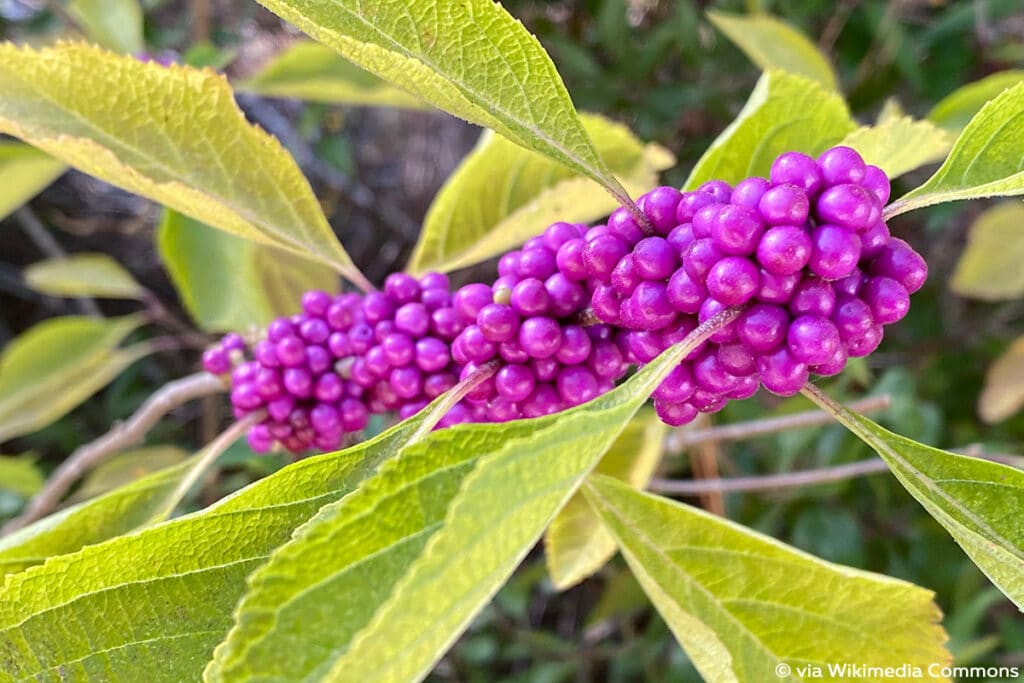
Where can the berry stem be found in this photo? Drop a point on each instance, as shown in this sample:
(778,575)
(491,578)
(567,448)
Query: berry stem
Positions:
(353,275)
(450,398)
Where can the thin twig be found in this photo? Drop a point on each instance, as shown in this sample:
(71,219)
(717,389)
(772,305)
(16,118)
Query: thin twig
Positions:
(771,482)
(680,439)
(121,436)
(41,237)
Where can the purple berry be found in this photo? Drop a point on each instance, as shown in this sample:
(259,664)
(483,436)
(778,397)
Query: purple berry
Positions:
(602,254)
(841,165)
(576,385)
(812,339)
(557,234)
(432,354)
(762,328)
(784,205)
(660,205)
(899,261)
(733,280)
(699,259)
(654,258)
(877,182)
(866,343)
(852,318)
(540,337)
(407,382)
(748,192)
(675,414)
(291,352)
(796,169)
(719,190)
(781,373)
(529,297)
(565,297)
(812,296)
(499,323)
(678,385)
(737,230)
(217,361)
(514,382)
(576,346)
(848,206)
(539,263)
(836,252)
(570,260)
(684,294)
(470,299)
(777,289)
(652,310)
(784,249)
(888,299)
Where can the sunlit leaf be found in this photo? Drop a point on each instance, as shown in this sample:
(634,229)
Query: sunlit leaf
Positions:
(54,366)
(118,510)
(984,162)
(228,283)
(989,267)
(378,585)
(979,502)
(784,113)
(316,73)
(113,24)
(174,584)
(774,44)
(1003,394)
(900,145)
(85,274)
(469,58)
(576,544)
(24,172)
(745,606)
(956,110)
(501,195)
(173,134)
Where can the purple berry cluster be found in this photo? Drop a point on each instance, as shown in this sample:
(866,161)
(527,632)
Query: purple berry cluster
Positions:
(528,325)
(321,373)
(805,253)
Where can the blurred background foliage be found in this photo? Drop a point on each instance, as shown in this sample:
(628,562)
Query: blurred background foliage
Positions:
(660,67)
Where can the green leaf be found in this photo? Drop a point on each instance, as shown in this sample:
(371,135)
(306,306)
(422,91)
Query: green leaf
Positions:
(989,267)
(986,160)
(784,113)
(1003,393)
(743,604)
(85,274)
(20,474)
(179,139)
(111,514)
(151,605)
(113,24)
(470,58)
(577,545)
(316,73)
(900,144)
(978,501)
(955,111)
(24,172)
(55,365)
(228,283)
(774,44)
(378,586)
(127,467)
(501,195)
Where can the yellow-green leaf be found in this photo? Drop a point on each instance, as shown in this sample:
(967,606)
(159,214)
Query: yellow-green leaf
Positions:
(749,609)
(956,110)
(85,274)
(113,24)
(470,58)
(577,545)
(174,582)
(378,585)
(989,267)
(891,111)
(985,160)
(24,172)
(774,44)
(55,365)
(173,134)
(20,474)
(900,144)
(228,283)
(117,510)
(316,73)
(501,195)
(979,502)
(785,113)
(1003,393)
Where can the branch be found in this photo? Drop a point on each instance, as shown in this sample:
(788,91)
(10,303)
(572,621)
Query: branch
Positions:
(680,439)
(771,482)
(42,238)
(121,436)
